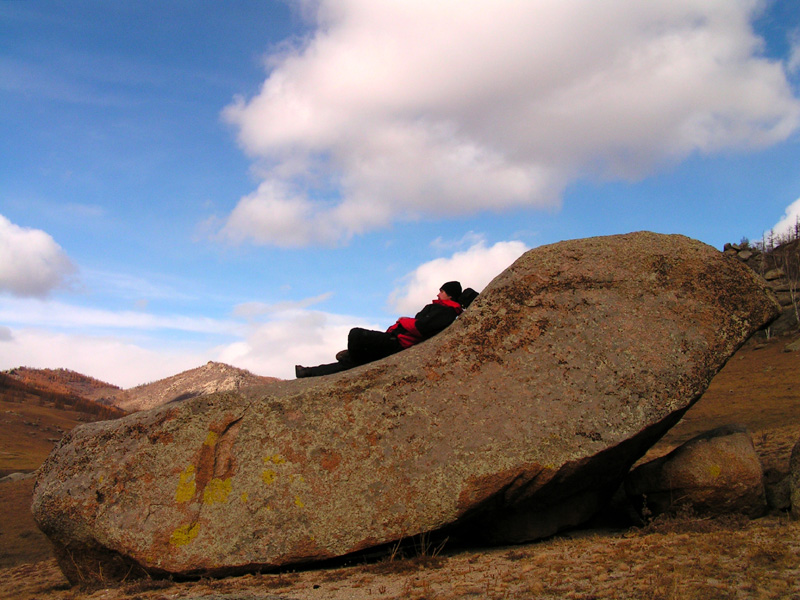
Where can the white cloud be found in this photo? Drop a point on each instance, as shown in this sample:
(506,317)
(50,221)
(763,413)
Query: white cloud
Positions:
(128,348)
(469,239)
(132,287)
(793,63)
(32,264)
(400,109)
(252,310)
(110,359)
(36,313)
(293,334)
(288,338)
(474,268)
(787,226)
(273,214)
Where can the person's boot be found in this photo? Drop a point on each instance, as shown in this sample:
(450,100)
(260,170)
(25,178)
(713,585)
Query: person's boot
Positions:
(300,371)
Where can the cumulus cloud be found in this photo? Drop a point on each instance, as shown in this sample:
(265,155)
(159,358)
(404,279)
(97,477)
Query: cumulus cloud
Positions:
(128,348)
(32,264)
(290,337)
(270,346)
(787,227)
(402,109)
(793,64)
(274,214)
(112,359)
(281,335)
(34,313)
(252,310)
(474,267)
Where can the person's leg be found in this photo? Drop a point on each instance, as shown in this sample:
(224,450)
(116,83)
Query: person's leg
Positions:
(366,345)
(319,370)
(363,346)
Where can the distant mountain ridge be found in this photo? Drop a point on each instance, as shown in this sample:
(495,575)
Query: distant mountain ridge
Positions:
(63,389)
(209,378)
(64,381)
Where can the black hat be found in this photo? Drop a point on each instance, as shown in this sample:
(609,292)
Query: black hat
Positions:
(452,289)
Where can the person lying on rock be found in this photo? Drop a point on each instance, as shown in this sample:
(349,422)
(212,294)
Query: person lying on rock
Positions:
(366,345)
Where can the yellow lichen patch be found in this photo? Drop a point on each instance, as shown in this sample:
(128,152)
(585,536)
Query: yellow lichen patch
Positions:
(298,502)
(276,459)
(714,470)
(184,534)
(244,496)
(211,439)
(186,485)
(268,476)
(217,491)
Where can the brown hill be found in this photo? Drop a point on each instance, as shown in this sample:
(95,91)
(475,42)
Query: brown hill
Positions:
(34,416)
(65,382)
(68,387)
(211,377)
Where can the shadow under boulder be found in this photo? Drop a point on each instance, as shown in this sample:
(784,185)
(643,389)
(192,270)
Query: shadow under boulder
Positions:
(715,473)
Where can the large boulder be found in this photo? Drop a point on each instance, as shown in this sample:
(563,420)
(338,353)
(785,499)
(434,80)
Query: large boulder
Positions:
(518,420)
(715,473)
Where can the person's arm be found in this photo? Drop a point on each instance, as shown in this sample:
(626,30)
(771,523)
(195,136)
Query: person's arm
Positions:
(434,318)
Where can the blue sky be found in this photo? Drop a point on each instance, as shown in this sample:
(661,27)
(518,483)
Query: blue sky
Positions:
(244,181)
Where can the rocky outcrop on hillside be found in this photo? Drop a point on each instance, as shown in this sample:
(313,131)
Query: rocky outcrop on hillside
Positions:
(210,378)
(780,267)
(520,419)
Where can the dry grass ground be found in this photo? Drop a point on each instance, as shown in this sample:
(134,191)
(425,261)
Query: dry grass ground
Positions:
(678,558)
(675,560)
(28,432)
(758,387)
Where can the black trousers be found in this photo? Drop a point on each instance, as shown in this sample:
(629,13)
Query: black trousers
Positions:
(363,346)
(366,345)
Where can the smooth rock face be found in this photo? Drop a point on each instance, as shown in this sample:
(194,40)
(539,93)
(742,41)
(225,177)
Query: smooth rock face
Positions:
(715,473)
(520,419)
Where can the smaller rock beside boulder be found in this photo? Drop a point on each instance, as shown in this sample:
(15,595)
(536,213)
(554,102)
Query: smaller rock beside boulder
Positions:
(715,473)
